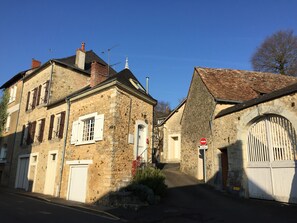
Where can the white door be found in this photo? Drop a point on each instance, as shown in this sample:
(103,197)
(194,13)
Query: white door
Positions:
(78,183)
(174,149)
(141,142)
(50,177)
(271,159)
(22,177)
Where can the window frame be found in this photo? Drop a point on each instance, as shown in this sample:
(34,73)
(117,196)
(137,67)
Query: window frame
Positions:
(78,129)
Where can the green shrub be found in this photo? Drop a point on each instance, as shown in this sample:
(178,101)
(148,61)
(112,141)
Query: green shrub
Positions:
(152,178)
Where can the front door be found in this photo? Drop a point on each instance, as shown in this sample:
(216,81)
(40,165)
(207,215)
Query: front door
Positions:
(141,150)
(78,183)
(50,177)
(224,163)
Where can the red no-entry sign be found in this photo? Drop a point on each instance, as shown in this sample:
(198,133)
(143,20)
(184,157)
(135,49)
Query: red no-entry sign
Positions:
(203,141)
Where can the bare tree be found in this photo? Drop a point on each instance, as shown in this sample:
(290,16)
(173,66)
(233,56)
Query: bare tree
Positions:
(162,109)
(277,54)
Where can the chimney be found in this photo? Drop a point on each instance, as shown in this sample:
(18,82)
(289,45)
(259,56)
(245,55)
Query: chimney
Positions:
(98,73)
(80,57)
(35,63)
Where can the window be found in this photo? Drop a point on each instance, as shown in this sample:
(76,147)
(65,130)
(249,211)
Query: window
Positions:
(40,130)
(31,99)
(24,135)
(12,96)
(136,84)
(3,153)
(28,133)
(7,125)
(37,96)
(43,93)
(56,127)
(87,129)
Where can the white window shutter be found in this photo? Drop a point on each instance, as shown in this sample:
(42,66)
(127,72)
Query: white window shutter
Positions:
(74,132)
(98,128)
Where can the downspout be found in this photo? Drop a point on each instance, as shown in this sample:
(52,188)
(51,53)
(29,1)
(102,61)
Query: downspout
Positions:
(64,148)
(15,133)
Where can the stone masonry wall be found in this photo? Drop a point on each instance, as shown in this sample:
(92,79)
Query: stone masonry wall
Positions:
(65,82)
(195,124)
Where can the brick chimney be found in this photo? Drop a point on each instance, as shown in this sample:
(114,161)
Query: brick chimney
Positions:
(80,57)
(98,73)
(35,63)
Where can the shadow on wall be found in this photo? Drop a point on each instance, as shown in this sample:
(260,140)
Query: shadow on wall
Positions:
(16,168)
(261,180)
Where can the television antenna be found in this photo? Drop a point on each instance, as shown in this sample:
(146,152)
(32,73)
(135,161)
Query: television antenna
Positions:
(108,55)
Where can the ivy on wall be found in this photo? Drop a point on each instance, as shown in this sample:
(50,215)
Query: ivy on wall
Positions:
(3,110)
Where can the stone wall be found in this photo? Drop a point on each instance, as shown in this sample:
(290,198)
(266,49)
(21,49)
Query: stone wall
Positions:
(65,82)
(196,124)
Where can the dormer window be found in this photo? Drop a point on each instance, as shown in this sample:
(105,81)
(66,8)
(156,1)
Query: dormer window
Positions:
(136,84)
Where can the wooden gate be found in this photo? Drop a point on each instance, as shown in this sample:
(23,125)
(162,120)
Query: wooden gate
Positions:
(271,159)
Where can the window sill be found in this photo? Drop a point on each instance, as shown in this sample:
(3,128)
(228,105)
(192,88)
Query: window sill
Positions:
(84,143)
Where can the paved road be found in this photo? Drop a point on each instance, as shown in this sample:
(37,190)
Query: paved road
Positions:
(16,208)
(188,201)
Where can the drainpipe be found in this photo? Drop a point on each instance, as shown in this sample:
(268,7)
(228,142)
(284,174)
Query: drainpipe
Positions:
(147,85)
(64,147)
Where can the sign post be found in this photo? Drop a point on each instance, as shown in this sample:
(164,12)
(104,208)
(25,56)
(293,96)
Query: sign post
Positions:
(203,147)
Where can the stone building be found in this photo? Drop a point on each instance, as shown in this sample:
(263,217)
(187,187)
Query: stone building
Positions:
(81,124)
(170,134)
(14,89)
(256,157)
(211,91)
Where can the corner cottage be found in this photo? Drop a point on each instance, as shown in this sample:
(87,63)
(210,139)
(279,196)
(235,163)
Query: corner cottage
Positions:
(79,126)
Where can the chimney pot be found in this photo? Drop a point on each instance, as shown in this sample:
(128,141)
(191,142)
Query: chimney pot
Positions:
(83,47)
(35,63)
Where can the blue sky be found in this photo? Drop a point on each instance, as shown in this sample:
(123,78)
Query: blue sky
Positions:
(163,39)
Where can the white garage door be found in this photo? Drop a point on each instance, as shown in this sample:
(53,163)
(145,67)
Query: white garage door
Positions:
(77,183)
(22,173)
(271,159)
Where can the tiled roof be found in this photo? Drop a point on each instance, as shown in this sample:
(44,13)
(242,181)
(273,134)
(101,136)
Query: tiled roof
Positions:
(267,97)
(240,85)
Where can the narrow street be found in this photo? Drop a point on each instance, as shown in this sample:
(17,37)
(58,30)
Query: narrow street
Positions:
(190,201)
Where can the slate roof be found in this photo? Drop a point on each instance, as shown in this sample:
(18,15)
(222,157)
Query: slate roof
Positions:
(124,77)
(90,57)
(240,85)
(68,61)
(14,79)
